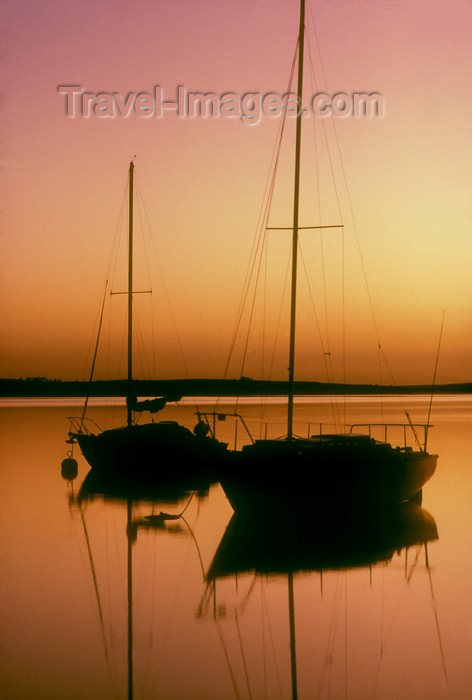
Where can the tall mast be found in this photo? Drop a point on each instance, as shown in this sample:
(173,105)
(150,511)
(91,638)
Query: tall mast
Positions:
(296,197)
(130,288)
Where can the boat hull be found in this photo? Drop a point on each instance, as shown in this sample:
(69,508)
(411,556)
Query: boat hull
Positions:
(163,450)
(273,474)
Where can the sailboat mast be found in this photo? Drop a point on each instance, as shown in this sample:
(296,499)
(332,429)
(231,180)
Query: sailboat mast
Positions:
(296,198)
(129,522)
(130,288)
(293,654)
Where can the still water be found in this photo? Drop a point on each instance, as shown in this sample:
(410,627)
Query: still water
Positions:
(398,627)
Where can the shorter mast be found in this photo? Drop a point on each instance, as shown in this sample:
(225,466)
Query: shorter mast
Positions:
(129,536)
(130,291)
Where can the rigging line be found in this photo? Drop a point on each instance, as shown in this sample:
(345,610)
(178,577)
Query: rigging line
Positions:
(324,348)
(140,344)
(343,170)
(258,245)
(204,603)
(242,304)
(293,651)
(436,616)
(279,319)
(228,662)
(380,384)
(318,197)
(166,294)
(264,307)
(271,637)
(343,267)
(323,122)
(274,345)
(152,617)
(243,655)
(118,235)
(386,629)
(140,208)
(415,434)
(434,382)
(107,277)
(107,566)
(167,626)
(382,635)
(251,313)
(199,554)
(264,664)
(245,600)
(112,274)
(345,638)
(369,296)
(413,566)
(256,285)
(262,239)
(313,74)
(258,267)
(263,403)
(329,654)
(94,354)
(263,217)
(270,182)
(189,501)
(326,353)
(98,599)
(402,403)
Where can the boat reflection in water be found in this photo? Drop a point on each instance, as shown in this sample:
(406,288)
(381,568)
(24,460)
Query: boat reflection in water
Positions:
(329,539)
(321,540)
(143,502)
(168,486)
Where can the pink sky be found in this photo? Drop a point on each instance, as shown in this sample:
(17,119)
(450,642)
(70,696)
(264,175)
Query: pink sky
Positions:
(409,174)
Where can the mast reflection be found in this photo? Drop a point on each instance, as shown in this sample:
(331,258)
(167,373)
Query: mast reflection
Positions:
(327,539)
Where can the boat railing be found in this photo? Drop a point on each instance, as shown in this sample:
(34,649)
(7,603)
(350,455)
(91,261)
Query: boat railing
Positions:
(82,425)
(388,432)
(241,433)
(212,417)
(386,429)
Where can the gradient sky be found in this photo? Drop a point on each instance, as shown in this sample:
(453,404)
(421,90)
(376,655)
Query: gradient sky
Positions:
(409,176)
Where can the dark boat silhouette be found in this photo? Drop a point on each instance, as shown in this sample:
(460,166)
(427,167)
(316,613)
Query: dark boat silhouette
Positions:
(302,473)
(146,448)
(349,466)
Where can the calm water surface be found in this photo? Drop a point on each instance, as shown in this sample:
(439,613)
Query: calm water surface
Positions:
(398,628)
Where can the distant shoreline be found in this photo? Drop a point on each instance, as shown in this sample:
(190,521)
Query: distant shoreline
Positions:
(54,388)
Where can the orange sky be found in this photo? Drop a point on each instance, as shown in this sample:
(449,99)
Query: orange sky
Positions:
(409,176)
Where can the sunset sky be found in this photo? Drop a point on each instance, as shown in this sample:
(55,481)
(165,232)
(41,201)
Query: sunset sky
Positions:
(408,177)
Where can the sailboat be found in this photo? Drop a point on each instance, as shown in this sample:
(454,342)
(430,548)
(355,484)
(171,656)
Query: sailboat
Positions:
(145,450)
(353,465)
